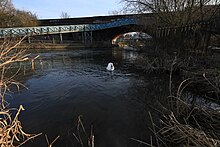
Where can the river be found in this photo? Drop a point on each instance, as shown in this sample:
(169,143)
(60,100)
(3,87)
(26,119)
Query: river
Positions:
(71,83)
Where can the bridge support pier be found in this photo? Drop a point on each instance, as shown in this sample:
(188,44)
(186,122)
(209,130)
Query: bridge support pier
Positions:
(87,37)
(61,38)
(53,39)
(29,39)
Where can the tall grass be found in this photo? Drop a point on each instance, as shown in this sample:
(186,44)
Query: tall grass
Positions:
(184,122)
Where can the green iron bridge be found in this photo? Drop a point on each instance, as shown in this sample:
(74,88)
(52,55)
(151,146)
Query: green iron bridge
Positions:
(45,30)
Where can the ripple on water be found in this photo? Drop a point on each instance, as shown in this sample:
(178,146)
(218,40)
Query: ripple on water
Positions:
(77,83)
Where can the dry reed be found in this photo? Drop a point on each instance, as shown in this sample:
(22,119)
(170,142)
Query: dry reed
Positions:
(11,131)
(51,144)
(82,136)
(9,55)
(185,124)
(180,134)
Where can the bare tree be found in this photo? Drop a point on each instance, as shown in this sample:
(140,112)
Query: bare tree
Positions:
(173,12)
(64,15)
(11,17)
(24,18)
(178,24)
(6,5)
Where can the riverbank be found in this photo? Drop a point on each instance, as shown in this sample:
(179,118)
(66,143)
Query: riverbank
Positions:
(190,116)
(73,45)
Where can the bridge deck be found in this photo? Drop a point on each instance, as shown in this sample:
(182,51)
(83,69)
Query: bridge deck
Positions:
(44,30)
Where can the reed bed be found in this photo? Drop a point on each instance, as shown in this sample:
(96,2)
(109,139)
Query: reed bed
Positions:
(187,124)
(206,85)
(174,133)
(184,122)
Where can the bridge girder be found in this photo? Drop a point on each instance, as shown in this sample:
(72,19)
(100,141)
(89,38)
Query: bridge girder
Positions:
(46,30)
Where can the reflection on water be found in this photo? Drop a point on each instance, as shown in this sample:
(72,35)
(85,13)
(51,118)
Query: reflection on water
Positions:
(125,55)
(67,84)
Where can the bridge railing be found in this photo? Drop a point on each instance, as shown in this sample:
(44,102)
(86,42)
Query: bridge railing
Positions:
(44,30)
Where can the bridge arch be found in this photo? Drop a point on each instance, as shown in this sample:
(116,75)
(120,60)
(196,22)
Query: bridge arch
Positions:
(131,36)
(111,33)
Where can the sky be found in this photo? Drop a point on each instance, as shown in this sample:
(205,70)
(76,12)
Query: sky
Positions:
(75,8)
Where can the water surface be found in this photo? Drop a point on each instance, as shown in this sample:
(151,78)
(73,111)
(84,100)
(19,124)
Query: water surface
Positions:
(71,83)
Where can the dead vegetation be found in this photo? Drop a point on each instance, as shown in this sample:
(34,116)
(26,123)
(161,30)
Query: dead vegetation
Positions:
(206,86)
(9,55)
(174,133)
(11,131)
(51,144)
(188,125)
(81,135)
(184,122)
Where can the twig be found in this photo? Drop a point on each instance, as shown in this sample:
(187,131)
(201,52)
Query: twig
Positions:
(154,130)
(51,144)
(142,142)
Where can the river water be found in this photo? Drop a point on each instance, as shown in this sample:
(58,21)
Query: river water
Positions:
(71,83)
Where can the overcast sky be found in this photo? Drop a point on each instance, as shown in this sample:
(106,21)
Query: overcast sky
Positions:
(75,8)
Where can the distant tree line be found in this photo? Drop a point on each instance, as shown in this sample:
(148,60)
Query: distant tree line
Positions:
(12,17)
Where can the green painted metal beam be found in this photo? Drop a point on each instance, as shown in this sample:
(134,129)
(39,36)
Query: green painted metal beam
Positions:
(44,30)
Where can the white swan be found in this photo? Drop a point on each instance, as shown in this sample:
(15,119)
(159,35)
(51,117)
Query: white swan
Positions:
(110,67)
